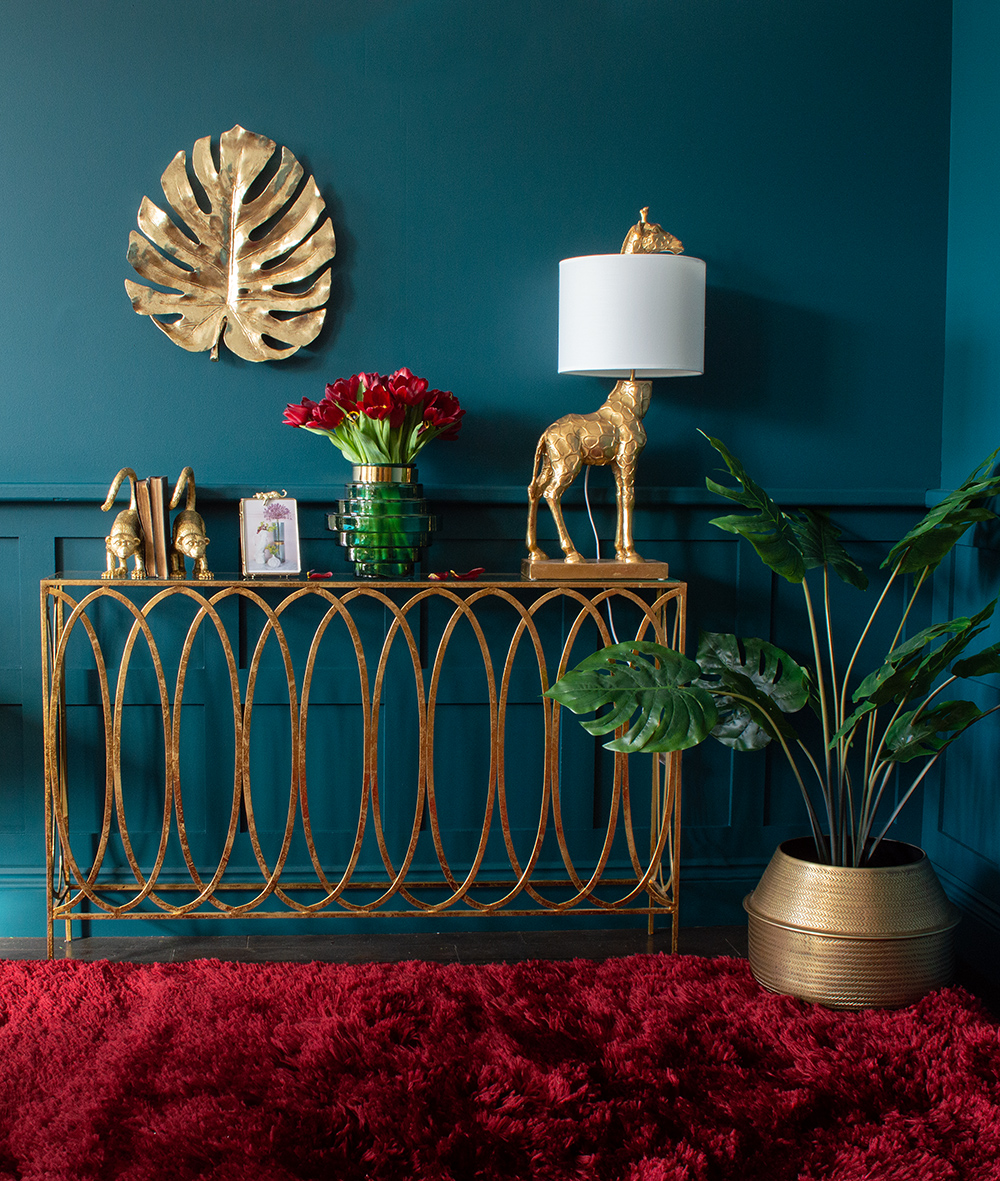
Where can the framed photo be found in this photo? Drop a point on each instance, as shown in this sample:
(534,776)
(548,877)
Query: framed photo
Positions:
(269,535)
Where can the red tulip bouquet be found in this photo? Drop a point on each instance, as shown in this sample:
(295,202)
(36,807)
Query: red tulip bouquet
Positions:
(379,420)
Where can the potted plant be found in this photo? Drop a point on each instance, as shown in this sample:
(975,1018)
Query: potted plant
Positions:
(845,916)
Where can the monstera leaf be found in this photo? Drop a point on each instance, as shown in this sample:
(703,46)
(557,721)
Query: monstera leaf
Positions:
(763,682)
(674,714)
(234,269)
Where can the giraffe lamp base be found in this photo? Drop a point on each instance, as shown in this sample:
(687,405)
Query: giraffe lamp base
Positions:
(545,569)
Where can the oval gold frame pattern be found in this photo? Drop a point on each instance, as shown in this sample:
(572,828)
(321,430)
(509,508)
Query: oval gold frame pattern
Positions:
(95,887)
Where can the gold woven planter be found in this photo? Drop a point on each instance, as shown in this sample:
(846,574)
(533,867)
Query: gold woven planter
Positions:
(878,937)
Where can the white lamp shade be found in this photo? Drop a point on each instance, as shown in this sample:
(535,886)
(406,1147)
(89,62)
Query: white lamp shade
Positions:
(619,312)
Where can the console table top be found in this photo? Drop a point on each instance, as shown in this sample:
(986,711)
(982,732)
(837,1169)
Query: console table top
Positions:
(421,582)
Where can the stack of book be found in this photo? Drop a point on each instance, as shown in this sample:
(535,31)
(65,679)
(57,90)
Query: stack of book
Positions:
(153,500)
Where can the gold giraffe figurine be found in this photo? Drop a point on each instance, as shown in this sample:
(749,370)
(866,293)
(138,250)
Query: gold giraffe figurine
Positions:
(125,539)
(188,539)
(613,436)
(646,237)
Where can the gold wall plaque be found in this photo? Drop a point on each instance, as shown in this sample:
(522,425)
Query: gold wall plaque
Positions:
(227,284)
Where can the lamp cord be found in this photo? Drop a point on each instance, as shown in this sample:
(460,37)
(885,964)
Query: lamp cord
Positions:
(597,543)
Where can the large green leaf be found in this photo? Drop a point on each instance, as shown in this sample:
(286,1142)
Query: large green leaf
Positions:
(757,684)
(769,530)
(929,541)
(862,711)
(819,539)
(873,684)
(922,733)
(911,669)
(674,714)
(980,665)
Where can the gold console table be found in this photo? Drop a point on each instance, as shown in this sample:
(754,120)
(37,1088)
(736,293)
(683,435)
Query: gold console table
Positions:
(122,843)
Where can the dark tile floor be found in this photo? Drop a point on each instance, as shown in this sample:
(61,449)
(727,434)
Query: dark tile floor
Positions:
(441,947)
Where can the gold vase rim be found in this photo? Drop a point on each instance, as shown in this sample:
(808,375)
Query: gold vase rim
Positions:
(824,865)
(384,473)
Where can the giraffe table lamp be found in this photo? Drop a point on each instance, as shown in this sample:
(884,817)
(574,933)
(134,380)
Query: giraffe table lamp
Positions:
(635,315)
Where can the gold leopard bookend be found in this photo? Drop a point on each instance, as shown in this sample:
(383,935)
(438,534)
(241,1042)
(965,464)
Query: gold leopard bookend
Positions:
(188,540)
(125,539)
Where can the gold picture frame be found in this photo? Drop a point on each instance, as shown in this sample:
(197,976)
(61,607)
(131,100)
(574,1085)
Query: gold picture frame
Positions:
(269,536)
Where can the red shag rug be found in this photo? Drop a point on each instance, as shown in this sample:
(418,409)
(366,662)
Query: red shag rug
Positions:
(648,1068)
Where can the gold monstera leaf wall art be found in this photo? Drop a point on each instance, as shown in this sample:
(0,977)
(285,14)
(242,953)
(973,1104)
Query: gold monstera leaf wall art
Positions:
(235,270)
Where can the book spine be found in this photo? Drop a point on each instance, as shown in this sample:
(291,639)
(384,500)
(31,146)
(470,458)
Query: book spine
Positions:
(146,521)
(161,521)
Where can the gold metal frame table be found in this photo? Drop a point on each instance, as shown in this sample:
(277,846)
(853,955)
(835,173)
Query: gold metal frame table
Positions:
(278,627)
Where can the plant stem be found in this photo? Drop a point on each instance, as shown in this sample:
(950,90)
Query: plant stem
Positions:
(812,761)
(874,769)
(838,721)
(814,824)
(869,795)
(870,743)
(877,760)
(916,714)
(872,802)
(909,606)
(837,711)
(930,696)
(817,831)
(916,783)
(825,714)
(912,788)
(861,640)
(849,822)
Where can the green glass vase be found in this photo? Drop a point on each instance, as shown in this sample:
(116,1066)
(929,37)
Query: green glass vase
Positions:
(383,521)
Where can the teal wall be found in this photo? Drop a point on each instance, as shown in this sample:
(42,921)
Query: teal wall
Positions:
(463,149)
(972,326)
(961,830)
